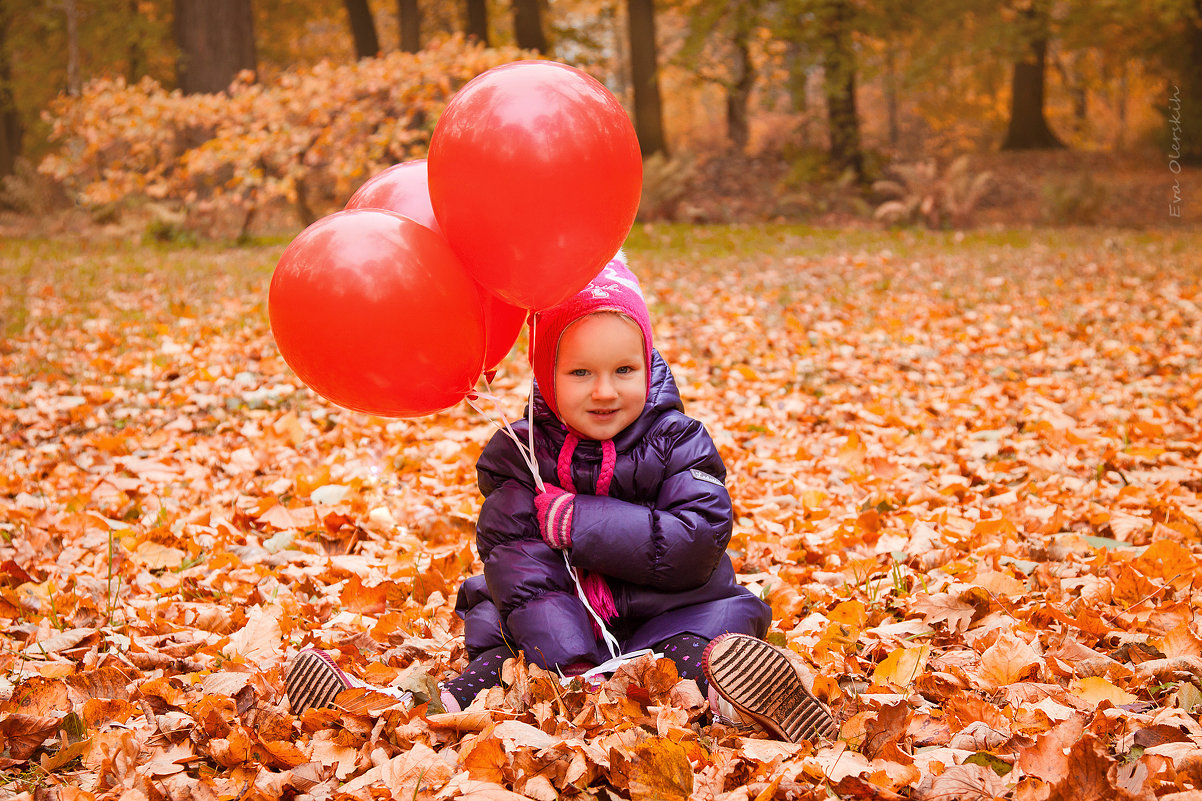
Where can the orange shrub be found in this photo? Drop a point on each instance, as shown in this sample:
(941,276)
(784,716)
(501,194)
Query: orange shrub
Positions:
(308,137)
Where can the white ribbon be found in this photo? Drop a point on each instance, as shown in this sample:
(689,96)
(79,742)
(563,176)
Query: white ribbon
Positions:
(611,642)
(610,666)
(526,449)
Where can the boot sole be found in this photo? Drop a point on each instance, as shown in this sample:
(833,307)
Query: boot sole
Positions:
(313,682)
(760,681)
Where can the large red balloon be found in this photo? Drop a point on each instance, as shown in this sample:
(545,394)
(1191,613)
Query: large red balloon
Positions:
(502,325)
(376,313)
(401,188)
(535,174)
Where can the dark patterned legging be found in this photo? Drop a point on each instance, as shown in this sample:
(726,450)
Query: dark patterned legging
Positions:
(485,670)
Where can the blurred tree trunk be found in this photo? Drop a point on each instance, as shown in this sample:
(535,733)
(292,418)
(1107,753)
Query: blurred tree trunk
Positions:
(1185,111)
(839,66)
(1069,69)
(798,80)
(1120,100)
(644,77)
(891,95)
(216,40)
(410,19)
(477,20)
(10,122)
(363,28)
(528,25)
(74,83)
(1028,126)
(738,94)
(137,50)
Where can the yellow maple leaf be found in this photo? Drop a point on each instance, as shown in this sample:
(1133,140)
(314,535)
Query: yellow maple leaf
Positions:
(1095,689)
(1180,641)
(851,613)
(902,666)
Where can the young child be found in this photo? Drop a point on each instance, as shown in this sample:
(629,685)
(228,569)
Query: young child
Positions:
(633,496)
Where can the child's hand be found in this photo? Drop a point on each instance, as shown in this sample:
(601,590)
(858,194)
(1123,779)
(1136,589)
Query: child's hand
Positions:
(554,508)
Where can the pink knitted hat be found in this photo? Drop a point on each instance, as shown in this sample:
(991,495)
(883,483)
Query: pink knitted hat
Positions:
(614,289)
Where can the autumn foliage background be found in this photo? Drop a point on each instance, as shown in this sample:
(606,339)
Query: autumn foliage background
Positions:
(966,476)
(963,440)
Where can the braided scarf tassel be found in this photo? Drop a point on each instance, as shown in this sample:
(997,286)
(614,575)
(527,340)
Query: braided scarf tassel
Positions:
(594,585)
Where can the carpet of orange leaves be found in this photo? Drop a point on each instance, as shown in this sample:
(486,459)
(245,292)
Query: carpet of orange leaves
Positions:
(967,474)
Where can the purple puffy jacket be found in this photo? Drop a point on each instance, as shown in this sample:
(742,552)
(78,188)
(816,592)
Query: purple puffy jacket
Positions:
(659,538)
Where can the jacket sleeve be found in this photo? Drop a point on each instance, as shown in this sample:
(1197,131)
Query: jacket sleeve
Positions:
(529,582)
(674,544)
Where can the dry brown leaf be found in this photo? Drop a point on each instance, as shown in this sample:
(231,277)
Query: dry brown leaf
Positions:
(156,556)
(259,641)
(485,760)
(943,608)
(464,788)
(404,772)
(468,721)
(328,753)
(96,712)
(1088,774)
(661,772)
(945,531)
(1175,668)
(1008,661)
(38,696)
(999,584)
(22,734)
(57,642)
(1181,641)
(105,682)
(165,762)
(966,782)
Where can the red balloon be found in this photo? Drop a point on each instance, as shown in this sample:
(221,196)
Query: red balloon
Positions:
(375,313)
(534,175)
(401,188)
(502,325)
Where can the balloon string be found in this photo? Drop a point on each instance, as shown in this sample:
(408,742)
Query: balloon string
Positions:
(526,449)
(527,453)
(611,642)
(530,406)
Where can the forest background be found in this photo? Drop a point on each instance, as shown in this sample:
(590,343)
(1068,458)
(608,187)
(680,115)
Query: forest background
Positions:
(966,465)
(828,111)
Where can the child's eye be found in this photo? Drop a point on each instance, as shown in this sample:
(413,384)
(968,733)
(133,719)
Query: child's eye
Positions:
(625,369)
(579,372)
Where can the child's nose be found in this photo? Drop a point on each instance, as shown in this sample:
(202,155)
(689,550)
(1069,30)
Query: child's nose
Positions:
(604,388)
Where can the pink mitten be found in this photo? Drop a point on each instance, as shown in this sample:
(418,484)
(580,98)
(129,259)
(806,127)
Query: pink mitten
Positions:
(554,508)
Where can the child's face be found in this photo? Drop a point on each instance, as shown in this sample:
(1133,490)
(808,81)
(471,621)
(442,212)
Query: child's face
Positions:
(600,377)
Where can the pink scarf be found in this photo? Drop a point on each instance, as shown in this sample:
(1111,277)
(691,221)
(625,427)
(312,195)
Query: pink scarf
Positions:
(596,589)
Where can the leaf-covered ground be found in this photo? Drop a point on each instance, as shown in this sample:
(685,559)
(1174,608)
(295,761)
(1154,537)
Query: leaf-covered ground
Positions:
(967,473)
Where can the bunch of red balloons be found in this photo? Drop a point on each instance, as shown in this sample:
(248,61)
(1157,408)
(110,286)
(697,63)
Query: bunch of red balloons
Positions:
(396,305)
